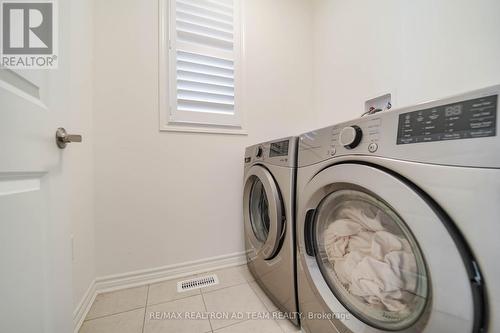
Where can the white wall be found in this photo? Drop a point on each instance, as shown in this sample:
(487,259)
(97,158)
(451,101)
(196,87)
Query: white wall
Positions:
(164,198)
(419,50)
(79,158)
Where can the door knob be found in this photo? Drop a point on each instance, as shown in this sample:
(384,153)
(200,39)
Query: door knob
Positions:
(63,138)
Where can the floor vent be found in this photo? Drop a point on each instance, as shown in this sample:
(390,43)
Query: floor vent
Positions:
(197,283)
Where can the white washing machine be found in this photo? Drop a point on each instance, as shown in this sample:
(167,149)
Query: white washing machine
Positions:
(268,210)
(398,220)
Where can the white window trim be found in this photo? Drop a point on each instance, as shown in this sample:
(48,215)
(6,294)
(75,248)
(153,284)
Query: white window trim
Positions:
(167,94)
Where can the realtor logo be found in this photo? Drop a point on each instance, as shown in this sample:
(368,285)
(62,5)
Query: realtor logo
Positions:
(29,34)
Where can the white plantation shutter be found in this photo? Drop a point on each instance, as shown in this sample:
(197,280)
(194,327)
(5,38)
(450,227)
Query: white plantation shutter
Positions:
(203,50)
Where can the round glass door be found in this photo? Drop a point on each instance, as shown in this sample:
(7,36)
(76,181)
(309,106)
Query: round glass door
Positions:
(263,212)
(259,211)
(370,260)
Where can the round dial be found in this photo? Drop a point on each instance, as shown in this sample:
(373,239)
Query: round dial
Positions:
(350,137)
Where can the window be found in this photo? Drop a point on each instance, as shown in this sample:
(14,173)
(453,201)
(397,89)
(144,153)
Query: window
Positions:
(200,66)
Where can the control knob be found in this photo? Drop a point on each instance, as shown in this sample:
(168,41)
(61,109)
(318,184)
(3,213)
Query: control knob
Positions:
(350,137)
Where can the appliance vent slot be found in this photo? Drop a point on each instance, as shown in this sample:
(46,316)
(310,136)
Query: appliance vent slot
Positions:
(197,283)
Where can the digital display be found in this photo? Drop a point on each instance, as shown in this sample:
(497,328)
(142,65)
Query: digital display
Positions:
(475,118)
(279,148)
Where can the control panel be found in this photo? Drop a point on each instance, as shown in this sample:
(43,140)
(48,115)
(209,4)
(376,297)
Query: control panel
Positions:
(361,137)
(280,152)
(474,118)
(459,130)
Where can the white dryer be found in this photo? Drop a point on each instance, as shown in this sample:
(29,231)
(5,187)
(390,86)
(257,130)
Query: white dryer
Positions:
(269,220)
(398,220)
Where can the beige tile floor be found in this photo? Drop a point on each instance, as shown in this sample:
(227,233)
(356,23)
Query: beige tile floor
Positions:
(145,309)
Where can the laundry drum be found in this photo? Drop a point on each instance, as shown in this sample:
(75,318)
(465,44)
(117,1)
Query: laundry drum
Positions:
(259,211)
(370,260)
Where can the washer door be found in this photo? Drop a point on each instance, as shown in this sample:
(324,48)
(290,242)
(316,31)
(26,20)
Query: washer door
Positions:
(377,250)
(263,212)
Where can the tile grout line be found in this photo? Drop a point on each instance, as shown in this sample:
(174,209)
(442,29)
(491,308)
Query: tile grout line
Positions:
(234,285)
(245,280)
(145,309)
(262,299)
(259,298)
(114,314)
(248,319)
(234,324)
(265,307)
(172,300)
(206,310)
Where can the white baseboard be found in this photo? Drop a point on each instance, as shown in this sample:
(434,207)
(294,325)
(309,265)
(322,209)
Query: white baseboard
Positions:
(83,307)
(151,275)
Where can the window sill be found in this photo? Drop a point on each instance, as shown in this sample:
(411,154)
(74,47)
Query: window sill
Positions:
(196,129)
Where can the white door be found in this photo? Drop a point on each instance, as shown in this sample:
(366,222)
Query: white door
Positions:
(35,250)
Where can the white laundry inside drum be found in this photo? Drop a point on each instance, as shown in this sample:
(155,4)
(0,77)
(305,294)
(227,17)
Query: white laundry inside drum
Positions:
(371,260)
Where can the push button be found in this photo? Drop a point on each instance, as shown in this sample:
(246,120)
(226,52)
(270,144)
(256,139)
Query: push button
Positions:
(372,147)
